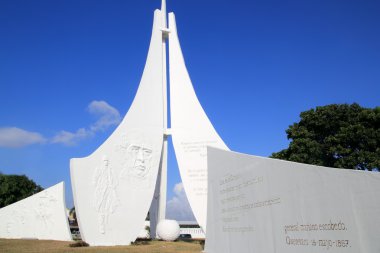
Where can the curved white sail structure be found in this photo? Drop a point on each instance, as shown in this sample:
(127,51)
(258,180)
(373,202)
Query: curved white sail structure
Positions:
(113,187)
(40,216)
(192,131)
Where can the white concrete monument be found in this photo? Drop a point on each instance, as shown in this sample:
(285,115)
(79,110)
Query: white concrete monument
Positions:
(254,204)
(116,186)
(40,216)
(113,187)
(258,204)
(192,131)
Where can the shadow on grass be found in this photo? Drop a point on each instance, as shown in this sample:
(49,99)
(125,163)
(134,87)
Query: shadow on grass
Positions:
(79,244)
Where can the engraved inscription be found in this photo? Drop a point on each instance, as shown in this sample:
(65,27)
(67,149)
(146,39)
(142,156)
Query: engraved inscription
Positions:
(313,235)
(235,200)
(199,147)
(197,174)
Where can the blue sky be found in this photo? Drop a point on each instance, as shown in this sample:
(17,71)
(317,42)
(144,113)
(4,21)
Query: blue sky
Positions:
(70,69)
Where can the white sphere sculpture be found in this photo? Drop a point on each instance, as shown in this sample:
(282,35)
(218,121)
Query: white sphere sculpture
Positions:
(168,230)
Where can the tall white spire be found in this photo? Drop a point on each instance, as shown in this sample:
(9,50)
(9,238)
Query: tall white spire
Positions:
(158,206)
(163,11)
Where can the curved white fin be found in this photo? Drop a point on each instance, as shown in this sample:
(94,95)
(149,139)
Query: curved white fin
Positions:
(192,131)
(113,187)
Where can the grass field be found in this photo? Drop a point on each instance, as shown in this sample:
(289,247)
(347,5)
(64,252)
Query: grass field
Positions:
(34,246)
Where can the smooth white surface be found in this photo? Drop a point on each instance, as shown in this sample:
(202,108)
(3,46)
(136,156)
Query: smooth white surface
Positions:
(40,216)
(168,230)
(157,209)
(113,187)
(266,205)
(191,129)
(164,158)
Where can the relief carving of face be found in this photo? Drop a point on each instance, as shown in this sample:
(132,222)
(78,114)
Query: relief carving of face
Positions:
(140,159)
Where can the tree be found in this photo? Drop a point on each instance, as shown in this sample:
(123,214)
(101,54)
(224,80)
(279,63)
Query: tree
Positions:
(337,135)
(15,187)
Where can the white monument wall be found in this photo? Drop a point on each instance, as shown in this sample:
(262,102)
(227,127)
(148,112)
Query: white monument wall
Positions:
(192,131)
(266,205)
(113,187)
(40,216)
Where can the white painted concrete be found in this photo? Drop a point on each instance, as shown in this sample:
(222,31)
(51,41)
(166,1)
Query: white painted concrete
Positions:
(40,216)
(157,209)
(126,176)
(114,186)
(191,129)
(258,204)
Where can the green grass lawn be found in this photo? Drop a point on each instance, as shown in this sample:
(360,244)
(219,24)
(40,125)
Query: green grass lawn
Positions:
(34,246)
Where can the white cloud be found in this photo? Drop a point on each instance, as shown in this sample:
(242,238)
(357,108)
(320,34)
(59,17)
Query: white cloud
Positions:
(107,116)
(178,208)
(69,138)
(179,190)
(13,137)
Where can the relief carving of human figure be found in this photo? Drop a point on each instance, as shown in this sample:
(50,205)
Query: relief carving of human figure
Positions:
(105,196)
(44,210)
